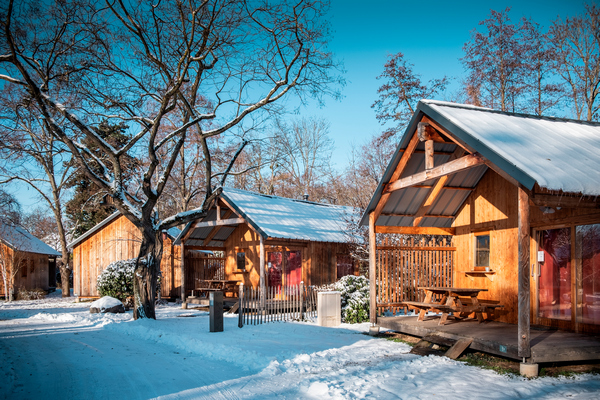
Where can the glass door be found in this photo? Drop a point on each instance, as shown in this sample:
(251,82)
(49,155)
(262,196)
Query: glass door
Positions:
(554,295)
(587,240)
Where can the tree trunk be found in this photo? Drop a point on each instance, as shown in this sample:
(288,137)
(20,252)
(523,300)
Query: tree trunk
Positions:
(146,273)
(65,275)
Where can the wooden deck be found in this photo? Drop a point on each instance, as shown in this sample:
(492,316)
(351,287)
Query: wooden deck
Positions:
(499,338)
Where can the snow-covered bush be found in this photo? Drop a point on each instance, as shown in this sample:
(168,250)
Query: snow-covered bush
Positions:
(117,279)
(355,298)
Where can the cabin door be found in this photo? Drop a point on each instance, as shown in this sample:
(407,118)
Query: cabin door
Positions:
(554,293)
(284,268)
(569,276)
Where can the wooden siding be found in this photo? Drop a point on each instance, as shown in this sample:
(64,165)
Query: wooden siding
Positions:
(119,240)
(319,259)
(492,209)
(37,271)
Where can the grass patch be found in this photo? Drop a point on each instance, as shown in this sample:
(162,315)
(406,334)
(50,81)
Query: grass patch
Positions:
(486,361)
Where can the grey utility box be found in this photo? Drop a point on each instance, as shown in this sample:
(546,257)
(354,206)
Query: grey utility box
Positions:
(216,311)
(329,308)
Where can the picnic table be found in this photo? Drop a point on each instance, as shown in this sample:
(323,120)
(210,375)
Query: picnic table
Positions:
(461,301)
(206,286)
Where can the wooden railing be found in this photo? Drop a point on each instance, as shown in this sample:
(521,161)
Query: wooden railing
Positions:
(203,268)
(286,303)
(401,269)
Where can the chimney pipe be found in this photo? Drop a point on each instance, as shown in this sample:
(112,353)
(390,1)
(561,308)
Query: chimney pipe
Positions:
(305,197)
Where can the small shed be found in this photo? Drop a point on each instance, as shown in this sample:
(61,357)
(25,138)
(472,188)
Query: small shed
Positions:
(115,239)
(519,195)
(35,260)
(272,241)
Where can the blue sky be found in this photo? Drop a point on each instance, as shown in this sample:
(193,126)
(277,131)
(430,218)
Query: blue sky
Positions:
(431,35)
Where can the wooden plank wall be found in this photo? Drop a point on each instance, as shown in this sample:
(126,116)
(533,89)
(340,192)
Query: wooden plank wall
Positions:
(492,208)
(119,240)
(37,271)
(401,270)
(318,258)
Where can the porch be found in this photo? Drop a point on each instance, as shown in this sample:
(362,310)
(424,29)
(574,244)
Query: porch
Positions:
(498,338)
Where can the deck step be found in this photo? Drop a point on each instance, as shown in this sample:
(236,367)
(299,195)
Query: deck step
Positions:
(461,345)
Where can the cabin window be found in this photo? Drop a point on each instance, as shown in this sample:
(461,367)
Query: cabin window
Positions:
(482,250)
(23,267)
(241,260)
(344,265)
(31,265)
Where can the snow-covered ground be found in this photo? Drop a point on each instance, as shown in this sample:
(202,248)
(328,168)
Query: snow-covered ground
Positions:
(54,348)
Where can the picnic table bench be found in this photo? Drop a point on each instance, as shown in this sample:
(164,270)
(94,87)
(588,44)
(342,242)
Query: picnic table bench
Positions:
(206,286)
(461,301)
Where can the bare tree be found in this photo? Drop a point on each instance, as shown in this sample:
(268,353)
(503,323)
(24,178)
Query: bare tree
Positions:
(541,91)
(494,62)
(33,156)
(306,150)
(576,44)
(202,64)
(400,92)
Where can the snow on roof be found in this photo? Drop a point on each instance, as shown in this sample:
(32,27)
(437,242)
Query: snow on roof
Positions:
(559,154)
(19,239)
(280,217)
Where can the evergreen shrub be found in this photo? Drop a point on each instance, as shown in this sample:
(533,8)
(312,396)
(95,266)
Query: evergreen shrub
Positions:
(355,298)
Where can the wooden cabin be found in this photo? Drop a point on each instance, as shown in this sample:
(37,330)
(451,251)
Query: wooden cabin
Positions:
(115,239)
(271,241)
(35,260)
(518,194)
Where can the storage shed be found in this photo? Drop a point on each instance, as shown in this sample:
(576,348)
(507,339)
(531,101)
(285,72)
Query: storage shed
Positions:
(272,241)
(115,239)
(35,260)
(519,194)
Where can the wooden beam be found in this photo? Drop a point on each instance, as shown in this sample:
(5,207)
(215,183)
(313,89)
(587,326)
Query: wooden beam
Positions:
(451,167)
(372,275)
(230,221)
(413,215)
(435,191)
(427,132)
(218,211)
(216,229)
(415,230)
(182,274)
(524,343)
(414,141)
(548,200)
(429,154)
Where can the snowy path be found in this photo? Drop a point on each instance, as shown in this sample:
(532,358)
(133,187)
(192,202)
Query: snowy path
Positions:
(57,349)
(89,364)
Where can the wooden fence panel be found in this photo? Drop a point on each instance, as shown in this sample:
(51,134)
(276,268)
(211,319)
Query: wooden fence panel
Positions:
(401,270)
(287,303)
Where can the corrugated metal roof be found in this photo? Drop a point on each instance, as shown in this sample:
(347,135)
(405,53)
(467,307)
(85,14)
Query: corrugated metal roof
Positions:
(19,239)
(280,217)
(275,217)
(557,154)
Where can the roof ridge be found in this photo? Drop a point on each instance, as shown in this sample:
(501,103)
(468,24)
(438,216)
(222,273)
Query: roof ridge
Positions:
(507,113)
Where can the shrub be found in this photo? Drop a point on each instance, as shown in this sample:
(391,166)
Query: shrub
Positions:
(355,298)
(117,279)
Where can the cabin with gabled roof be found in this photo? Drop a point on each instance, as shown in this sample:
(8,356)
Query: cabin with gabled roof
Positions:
(518,194)
(115,239)
(271,241)
(35,260)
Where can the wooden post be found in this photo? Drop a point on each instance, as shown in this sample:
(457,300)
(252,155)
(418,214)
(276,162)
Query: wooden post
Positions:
(182,277)
(218,211)
(428,154)
(372,278)
(524,349)
(262,274)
